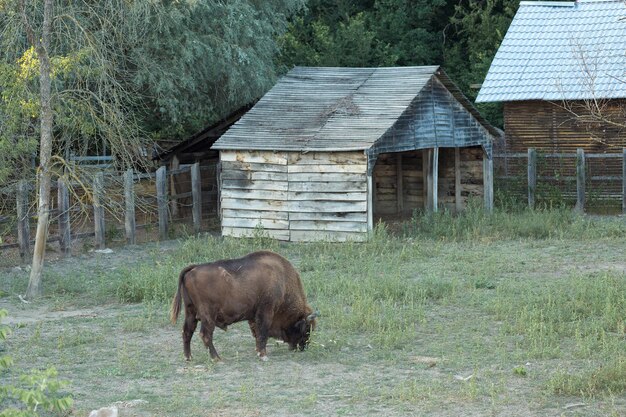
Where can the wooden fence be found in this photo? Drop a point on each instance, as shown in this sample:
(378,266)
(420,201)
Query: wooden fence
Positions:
(122,191)
(508,167)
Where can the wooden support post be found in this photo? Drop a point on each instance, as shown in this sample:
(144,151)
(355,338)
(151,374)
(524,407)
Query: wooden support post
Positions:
(624,180)
(174,165)
(532,176)
(129,200)
(370,203)
(161,188)
(435,179)
(399,180)
(23,220)
(580,180)
(63,198)
(98,210)
(458,203)
(428,183)
(196,193)
(488,182)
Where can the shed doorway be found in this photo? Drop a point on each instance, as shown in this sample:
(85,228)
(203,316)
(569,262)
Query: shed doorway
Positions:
(404,181)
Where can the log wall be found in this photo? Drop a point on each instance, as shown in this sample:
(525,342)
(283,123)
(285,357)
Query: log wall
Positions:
(562,128)
(294,196)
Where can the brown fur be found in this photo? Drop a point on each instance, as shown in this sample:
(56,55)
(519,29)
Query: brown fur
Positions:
(262,288)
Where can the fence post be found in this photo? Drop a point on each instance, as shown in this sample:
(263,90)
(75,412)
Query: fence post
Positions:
(161,188)
(580,180)
(174,165)
(532,176)
(488,182)
(23,221)
(196,193)
(624,180)
(63,198)
(129,200)
(98,210)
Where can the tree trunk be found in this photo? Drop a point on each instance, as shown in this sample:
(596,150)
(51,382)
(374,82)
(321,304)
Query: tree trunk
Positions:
(45,151)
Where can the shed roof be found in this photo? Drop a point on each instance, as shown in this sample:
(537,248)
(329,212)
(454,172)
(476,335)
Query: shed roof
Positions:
(560,51)
(334,109)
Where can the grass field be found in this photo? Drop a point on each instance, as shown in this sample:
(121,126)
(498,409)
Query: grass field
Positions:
(507,315)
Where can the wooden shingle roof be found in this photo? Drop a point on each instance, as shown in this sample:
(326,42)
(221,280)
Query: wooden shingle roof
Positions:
(334,109)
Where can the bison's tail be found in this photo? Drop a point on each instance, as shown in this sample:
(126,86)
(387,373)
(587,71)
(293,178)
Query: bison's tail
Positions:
(175,311)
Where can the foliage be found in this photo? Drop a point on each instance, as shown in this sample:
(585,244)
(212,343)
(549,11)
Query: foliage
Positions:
(127,72)
(364,34)
(37,391)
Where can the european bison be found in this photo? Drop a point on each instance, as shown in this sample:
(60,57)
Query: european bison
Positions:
(262,287)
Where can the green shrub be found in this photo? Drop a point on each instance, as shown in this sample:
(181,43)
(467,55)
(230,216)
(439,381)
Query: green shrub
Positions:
(37,390)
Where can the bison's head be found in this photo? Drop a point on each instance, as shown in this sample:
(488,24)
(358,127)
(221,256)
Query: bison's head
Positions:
(298,334)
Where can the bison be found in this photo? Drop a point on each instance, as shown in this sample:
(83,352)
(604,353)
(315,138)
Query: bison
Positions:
(262,287)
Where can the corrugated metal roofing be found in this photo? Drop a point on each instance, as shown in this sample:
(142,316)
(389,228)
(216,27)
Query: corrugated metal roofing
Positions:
(560,51)
(333,109)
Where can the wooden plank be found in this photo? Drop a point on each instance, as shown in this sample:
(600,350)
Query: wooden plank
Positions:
(256,214)
(399,181)
(254,194)
(263,157)
(357,169)
(257,185)
(327,158)
(624,180)
(255,223)
(580,179)
(427,176)
(320,225)
(315,236)
(269,205)
(328,206)
(98,210)
(174,166)
(196,195)
(253,166)
(458,202)
(161,189)
(320,196)
(323,186)
(63,203)
(247,232)
(129,202)
(532,176)
(335,217)
(488,183)
(327,177)
(370,204)
(254,176)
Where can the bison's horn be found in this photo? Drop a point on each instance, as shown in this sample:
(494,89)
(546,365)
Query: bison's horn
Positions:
(311,316)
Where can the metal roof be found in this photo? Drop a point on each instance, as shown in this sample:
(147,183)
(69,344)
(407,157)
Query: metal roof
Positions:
(560,51)
(333,109)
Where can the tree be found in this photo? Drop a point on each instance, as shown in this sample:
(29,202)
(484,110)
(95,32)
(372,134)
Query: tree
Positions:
(87,76)
(364,33)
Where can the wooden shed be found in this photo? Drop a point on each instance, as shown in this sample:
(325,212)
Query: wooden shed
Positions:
(563,86)
(328,150)
(196,149)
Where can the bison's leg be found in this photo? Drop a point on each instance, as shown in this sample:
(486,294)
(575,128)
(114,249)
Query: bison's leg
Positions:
(253,330)
(188,328)
(206,331)
(262,323)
